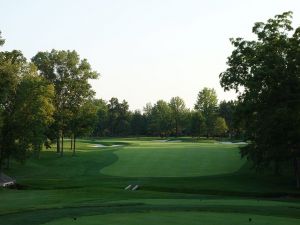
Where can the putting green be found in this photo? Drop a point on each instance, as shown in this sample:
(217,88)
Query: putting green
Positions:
(175,160)
(165,218)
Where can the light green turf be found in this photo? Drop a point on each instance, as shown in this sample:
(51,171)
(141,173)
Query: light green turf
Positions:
(175,160)
(180,218)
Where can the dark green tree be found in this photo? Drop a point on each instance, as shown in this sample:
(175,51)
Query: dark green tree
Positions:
(32,114)
(12,67)
(118,117)
(70,75)
(207,104)
(227,111)
(265,72)
(83,122)
(101,126)
(197,124)
(178,111)
(161,119)
(138,123)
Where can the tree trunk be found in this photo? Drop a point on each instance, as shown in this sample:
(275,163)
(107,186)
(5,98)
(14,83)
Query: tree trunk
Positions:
(71,142)
(58,143)
(37,151)
(176,121)
(62,144)
(74,147)
(297,171)
(8,162)
(277,169)
(1,159)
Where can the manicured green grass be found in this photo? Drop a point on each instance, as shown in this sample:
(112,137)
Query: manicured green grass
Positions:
(178,218)
(180,183)
(175,160)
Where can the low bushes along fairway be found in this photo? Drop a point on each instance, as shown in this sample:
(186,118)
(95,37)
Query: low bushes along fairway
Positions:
(180,183)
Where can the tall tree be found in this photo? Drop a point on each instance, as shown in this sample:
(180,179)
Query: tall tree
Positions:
(25,107)
(178,110)
(118,117)
(161,122)
(69,75)
(32,114)
(207,103)
(12,67)
(266,72)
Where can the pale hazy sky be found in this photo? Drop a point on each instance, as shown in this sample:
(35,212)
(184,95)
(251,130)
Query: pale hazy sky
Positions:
(144,50)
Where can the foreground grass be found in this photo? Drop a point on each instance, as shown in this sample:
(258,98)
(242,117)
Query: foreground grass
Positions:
(191,218)
(183,177)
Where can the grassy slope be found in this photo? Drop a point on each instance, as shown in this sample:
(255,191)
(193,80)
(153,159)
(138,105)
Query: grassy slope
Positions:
(77,185)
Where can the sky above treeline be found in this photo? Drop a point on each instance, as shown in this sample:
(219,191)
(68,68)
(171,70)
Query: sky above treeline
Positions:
(144,50)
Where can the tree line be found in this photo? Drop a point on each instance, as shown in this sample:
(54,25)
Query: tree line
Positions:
(173,118)
(48,98)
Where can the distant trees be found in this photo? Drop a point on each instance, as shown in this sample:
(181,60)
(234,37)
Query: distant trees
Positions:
(197,125)
(228,111)
(118,117)
(83,122)
(138,123)
(266,72)
(207,104)
(220,127)
(161,119)
(178,113)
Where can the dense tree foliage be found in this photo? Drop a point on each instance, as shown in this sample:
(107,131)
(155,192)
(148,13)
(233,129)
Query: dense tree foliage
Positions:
(69,75)
(26,107)
(207,103)
(178,113)
(266,73)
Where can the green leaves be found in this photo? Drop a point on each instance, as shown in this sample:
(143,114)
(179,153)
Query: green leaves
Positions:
(70,77)
(207,103)
(33,110)
(266,73)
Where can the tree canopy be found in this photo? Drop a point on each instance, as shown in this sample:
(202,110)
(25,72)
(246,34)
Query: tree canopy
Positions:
(266,73)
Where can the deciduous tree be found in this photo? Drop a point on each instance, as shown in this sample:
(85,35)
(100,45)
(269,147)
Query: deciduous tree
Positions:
(70,75)
(207,103)
(266,73)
